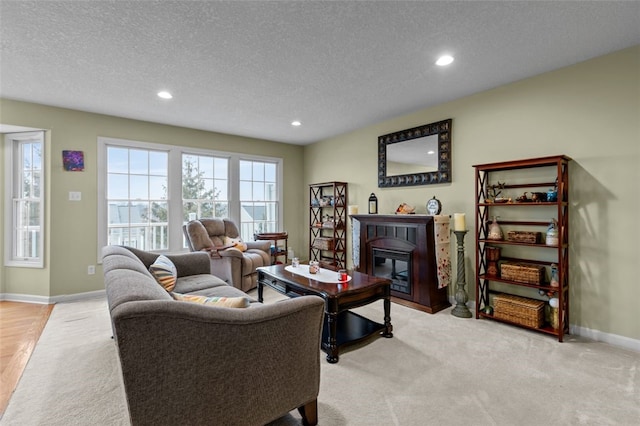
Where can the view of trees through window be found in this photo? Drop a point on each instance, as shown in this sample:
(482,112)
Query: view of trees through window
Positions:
(143,208)
(204,187)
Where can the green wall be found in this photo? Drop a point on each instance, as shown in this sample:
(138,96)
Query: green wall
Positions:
(590,112)
(71,235)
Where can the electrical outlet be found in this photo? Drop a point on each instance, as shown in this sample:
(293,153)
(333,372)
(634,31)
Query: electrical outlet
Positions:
(91,269)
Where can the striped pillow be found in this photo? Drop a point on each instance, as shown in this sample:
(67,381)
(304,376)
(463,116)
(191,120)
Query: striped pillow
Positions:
(226,302)
(165,272)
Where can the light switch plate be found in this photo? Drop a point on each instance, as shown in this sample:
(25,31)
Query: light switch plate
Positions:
(75,196)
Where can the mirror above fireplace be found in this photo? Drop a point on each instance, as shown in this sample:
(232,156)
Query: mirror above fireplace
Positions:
(417,156)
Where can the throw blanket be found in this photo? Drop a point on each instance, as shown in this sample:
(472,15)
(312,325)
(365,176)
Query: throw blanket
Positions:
(355,240)
(442,240)
(323,275)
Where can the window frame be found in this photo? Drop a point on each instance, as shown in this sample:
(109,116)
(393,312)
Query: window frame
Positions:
(174,195)
(13,168)
(262,181)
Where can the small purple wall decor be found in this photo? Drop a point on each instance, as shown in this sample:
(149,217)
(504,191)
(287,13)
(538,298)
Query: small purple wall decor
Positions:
(73,161)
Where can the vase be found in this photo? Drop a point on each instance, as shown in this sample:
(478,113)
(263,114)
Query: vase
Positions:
(495,232)
(552,238)
(555,278)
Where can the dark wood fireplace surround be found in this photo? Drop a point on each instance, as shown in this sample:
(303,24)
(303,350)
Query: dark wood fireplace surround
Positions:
(412,234)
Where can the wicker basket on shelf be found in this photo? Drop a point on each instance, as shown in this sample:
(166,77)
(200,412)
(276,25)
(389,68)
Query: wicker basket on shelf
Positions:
(524,237)
(519,310)
(522,272)
(323,243)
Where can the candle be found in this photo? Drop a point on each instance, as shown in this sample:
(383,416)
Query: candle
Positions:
(459,223)
(353,210)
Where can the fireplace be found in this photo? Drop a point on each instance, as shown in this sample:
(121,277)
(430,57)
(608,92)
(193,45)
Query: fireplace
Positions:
(401,248)
(394,265)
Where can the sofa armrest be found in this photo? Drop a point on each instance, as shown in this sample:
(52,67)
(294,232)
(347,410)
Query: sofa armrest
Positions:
(230,252)
(260,245)
(170,348)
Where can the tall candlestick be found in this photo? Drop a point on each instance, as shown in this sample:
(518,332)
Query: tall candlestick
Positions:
(459,222)
(461,310)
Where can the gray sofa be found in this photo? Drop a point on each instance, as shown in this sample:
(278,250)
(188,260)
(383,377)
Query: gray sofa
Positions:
(191,364)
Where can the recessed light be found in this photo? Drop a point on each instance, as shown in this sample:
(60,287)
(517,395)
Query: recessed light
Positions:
(296,123)
(431,152)
(444,60)
(165,95)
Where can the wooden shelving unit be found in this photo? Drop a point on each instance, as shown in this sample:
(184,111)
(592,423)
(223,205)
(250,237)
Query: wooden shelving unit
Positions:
(530,175)
(328,224)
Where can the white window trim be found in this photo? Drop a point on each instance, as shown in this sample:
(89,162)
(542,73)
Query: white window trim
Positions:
(10,170)
(175,187)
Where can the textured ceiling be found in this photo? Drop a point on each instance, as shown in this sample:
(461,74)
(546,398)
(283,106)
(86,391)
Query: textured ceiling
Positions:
(250,68)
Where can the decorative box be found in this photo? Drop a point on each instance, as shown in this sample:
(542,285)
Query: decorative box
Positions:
(519,310)
(522,272)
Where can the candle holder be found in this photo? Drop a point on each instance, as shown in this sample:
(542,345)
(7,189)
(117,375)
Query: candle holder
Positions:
(461,309)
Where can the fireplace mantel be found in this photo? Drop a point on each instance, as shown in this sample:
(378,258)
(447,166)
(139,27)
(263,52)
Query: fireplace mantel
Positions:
(388,238)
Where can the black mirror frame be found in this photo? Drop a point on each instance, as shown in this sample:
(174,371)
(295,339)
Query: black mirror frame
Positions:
(442,175)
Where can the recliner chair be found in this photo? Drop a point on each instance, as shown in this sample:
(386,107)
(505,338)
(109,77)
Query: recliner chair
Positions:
(232,260)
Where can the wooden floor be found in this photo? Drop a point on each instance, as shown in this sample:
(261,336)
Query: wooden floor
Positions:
(20,327)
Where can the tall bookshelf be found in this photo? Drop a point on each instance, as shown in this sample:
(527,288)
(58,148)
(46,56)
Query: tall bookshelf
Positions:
(328,224)
(515,211)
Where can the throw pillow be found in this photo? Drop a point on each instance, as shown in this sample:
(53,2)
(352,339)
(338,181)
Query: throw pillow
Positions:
(165,272)
(235,242)
(227,302)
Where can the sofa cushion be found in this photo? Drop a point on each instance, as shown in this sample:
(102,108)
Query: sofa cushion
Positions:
(226,302)
(192,283)
(222,291)
(215,229)
(165,272)
(198,236)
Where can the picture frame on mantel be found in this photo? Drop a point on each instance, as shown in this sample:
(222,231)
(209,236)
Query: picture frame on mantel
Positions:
(416,156)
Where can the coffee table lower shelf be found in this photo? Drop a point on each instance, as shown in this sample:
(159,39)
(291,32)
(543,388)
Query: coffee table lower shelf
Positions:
(350,329)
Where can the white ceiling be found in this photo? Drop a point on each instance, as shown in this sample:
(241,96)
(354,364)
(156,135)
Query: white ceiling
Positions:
(250,68)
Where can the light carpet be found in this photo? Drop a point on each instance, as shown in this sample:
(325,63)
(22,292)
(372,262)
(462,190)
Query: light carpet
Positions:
(436,370)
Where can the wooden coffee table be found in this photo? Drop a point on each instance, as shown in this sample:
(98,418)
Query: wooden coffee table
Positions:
(341,326)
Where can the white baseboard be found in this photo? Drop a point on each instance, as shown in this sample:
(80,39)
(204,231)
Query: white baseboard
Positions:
(597,335)
(26,298)
(612,339)
(47,300)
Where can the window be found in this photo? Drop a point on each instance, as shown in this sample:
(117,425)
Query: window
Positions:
(258,197)
(24,223)
(205,186)
(137,204)
(151,190)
